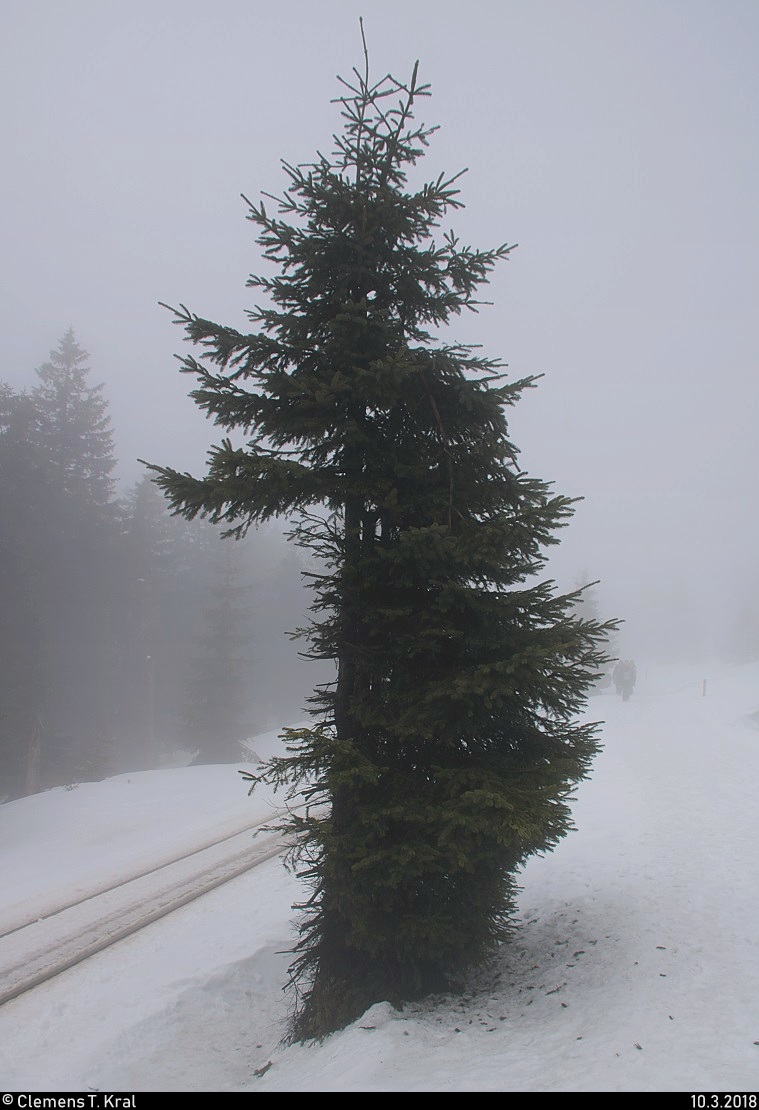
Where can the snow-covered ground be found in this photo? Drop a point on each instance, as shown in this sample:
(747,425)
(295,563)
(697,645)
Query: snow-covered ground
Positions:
(636,967)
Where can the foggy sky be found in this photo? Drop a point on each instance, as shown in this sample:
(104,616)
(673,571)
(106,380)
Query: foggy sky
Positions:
(614,140)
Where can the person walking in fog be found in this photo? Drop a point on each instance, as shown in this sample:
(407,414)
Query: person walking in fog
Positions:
(625,674)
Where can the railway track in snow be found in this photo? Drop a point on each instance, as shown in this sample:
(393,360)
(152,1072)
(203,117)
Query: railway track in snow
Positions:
(35,950)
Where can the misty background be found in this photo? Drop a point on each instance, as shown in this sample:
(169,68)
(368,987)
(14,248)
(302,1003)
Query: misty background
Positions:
(615,142)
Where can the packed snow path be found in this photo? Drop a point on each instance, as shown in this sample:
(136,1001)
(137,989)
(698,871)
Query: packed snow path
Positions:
(35,951)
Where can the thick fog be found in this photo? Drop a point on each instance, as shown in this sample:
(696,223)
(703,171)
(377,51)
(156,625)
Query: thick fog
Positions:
(615,142)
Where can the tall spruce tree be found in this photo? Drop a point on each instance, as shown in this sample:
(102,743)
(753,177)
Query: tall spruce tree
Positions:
(446,751)
(29,529)
(74,423)
(72,430)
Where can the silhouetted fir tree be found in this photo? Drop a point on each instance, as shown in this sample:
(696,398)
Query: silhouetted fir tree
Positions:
(183,648)
(74,423)
(446,752)
(57,556)
(219,703)
(165,572)
(586,602)
(29,524)
(72,430)
(150,557)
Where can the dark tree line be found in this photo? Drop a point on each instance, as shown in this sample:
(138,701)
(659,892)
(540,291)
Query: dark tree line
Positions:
(122,633)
